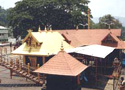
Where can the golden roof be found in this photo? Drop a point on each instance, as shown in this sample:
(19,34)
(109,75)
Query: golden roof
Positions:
(49,44)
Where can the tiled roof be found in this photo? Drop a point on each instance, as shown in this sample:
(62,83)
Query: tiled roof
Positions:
(62,64)
(116,32)
(92,36)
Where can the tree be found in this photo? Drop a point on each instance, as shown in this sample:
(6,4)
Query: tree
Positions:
(3,15)
(123,33)
(61,14)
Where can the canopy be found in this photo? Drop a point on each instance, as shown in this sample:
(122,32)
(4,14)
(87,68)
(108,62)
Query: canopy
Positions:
(93,50)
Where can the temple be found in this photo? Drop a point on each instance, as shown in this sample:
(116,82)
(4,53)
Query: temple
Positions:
(73,68)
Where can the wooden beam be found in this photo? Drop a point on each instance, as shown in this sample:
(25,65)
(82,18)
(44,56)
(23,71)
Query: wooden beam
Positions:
(43,60)
(24,60)
(38,73)
(28,67)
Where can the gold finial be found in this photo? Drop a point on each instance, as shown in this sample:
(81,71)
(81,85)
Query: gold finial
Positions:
(62,49)
(39,29)
(45,29)
(29,31)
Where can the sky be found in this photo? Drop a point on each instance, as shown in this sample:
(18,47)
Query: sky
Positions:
(98,8)
(102,7)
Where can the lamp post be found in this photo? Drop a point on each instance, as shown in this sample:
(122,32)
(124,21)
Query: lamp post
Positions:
(88,18)
(109,24)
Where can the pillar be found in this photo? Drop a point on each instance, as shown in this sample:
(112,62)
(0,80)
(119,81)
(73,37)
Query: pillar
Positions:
(24,60)
(28,67)
(88,18)
(38,65)
(43,60)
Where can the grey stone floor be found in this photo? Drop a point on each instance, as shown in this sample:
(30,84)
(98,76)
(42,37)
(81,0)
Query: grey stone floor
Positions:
(16,83)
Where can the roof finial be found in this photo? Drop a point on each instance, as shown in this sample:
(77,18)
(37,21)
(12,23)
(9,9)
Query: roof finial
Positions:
(45,29)
(77,27)
(39,29)
(29,31)
(62,49)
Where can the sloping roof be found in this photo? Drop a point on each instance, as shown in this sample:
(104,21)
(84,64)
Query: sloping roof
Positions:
(2,27)
(62,64)
(116,32)
(92,36)
(50,44)
(93,50)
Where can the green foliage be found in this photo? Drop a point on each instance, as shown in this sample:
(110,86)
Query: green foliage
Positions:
(106,22)
(3,15)
(109,21)
(61,14)
(123,33)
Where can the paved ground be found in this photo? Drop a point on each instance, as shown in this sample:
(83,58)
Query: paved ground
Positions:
(16,83)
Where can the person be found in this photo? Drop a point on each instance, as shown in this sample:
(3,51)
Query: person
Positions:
(116,62)
(122,86)
(122,79)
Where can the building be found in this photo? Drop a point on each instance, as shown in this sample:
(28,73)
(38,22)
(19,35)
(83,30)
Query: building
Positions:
(63,72)
(47,43)
(39,47)
(94,36)
(3,34)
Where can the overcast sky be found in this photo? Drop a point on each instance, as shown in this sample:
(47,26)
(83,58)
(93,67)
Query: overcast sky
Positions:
(99,8)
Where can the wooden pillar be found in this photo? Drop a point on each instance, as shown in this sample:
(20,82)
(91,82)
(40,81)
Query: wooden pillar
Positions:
(11,73)
(17,62)
(20,66)
(88,18)
(24,60)
(78,79)
(11,64)
(43,60)
(28,68)
(38,73)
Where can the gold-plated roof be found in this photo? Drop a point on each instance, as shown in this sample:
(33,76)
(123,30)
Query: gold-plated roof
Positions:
(50,44)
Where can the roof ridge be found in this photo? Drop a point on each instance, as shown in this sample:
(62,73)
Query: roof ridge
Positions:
(67,62)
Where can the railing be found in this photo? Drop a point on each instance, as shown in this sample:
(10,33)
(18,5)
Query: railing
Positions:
(22,70)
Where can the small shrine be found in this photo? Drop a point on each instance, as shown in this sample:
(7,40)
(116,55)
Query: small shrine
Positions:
(63,72)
